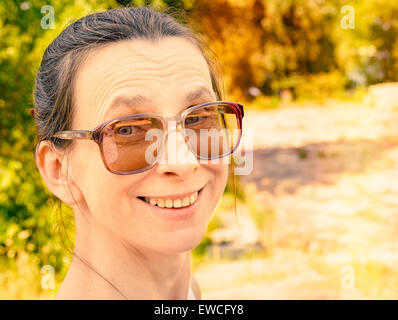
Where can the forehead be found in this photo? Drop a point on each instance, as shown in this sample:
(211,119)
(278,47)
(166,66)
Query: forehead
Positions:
(165,72)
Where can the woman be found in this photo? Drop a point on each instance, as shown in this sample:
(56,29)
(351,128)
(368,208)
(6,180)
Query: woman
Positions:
(107,85)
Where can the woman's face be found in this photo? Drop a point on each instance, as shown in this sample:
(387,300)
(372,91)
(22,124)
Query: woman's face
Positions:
(164,73)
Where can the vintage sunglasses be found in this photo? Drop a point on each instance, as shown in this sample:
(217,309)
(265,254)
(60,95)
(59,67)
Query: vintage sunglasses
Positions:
(126,141)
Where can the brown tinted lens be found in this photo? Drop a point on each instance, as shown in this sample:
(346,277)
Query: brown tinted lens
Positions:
(212,130)
(130,145)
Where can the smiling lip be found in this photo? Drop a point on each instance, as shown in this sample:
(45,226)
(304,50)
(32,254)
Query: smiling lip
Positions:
(175,196)
(176,213)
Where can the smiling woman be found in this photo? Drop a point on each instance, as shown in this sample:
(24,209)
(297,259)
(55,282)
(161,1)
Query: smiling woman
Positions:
(116,77)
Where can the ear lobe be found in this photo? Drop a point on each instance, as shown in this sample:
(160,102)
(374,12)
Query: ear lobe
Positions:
(53,167)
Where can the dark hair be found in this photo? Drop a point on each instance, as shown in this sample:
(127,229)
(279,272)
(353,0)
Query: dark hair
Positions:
(53,94)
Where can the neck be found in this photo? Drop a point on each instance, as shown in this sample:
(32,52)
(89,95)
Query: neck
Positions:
(106,266)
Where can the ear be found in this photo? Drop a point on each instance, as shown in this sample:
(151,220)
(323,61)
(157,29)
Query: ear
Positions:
(52,165)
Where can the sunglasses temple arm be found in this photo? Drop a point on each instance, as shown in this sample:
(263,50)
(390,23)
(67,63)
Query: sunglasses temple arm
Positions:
(75,134)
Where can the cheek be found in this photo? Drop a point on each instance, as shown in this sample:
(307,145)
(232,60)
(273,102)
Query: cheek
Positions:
(219,181)
(221,174)
(98,187)
(107,196)
(87,167)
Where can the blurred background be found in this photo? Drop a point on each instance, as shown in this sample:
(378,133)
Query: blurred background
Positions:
(318,216)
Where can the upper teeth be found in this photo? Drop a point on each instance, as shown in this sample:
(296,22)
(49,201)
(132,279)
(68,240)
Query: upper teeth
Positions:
(173,203)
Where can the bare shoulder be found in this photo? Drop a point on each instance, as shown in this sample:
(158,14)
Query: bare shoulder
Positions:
(196,288)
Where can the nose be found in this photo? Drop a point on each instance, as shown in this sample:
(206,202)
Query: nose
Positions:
(177,159)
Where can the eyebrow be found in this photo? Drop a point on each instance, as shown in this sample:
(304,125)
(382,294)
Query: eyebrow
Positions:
(138,101)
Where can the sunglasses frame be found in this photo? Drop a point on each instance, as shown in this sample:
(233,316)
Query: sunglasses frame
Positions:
(96,134)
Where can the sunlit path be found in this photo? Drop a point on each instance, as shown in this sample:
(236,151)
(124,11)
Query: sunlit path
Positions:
(330,176)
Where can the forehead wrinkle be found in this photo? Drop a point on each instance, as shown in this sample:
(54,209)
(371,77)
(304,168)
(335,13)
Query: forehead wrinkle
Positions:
(140,71)
(138,51)
(112,74)
(103,93)
(171,63)
(115,78)
(142,62)
(162,70)
(152,104)
(103,90)
(145,70)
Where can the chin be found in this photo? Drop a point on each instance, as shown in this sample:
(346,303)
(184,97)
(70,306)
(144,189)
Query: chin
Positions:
(180,242)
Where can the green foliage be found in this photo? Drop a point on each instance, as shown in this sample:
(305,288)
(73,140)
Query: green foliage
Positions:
(371,49)
(200,249)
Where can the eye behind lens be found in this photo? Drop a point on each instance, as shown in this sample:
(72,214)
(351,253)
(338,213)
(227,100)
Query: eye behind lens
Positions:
(126,129)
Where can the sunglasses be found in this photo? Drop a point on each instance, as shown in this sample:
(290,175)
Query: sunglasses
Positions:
(133,144)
